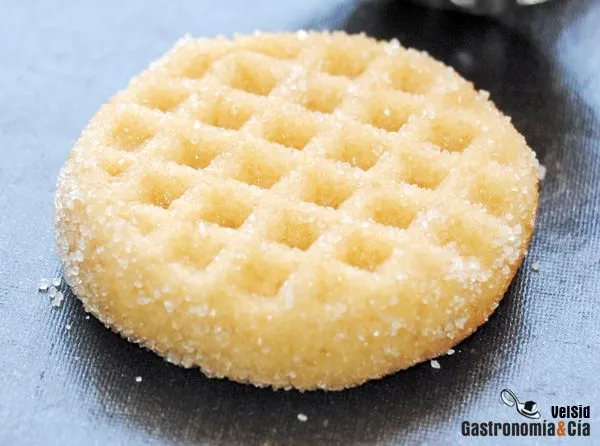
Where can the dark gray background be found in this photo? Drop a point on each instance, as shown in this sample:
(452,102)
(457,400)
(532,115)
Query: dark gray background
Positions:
(60,60)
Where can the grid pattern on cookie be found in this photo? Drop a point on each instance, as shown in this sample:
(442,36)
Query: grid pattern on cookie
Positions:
(272,153)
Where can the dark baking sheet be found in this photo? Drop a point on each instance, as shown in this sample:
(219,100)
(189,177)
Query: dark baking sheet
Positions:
(60,60)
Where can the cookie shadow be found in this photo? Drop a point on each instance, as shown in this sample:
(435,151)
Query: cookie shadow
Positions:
(176,405)
(183,406)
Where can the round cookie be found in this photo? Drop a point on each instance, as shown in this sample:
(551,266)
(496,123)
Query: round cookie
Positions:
(307,210)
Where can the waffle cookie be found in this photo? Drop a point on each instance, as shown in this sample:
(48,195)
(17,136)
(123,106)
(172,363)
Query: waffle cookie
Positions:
(307,210)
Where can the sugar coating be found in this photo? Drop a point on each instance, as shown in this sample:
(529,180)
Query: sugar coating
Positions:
(307,210)
(435,364)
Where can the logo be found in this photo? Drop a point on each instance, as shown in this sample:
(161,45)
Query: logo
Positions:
(528,410)
(566,421)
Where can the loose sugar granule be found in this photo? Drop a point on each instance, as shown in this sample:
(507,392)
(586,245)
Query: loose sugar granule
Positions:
(541,172)
(44,284)
(58,299)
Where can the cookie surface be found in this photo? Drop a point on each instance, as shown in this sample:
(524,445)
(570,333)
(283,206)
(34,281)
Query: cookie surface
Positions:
(305,210)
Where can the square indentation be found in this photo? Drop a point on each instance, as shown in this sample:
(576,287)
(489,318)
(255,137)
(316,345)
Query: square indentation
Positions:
(496,189)
(221,111)
(470,233)
(392,209)
(321,93)
(197,151)
(343,57)
(326,187)
(145,219)
(364,250)
(161,189)
(278,47)
(503,145)
(451,132)
(421,168)
(161,97)
(258,166)
(294,228)
(388,112)
(415,78)
(261,272)
(356,145)
(224,207)
(293,130)
(187,246)
(193,59)
(115,166)
(252,73)
(131,131)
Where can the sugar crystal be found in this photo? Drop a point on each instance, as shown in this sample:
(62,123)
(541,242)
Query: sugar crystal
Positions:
(43,286)
(541,172)
(58,299)
(301,417)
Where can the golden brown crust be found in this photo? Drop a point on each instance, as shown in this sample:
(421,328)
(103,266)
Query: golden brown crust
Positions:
(306,210)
